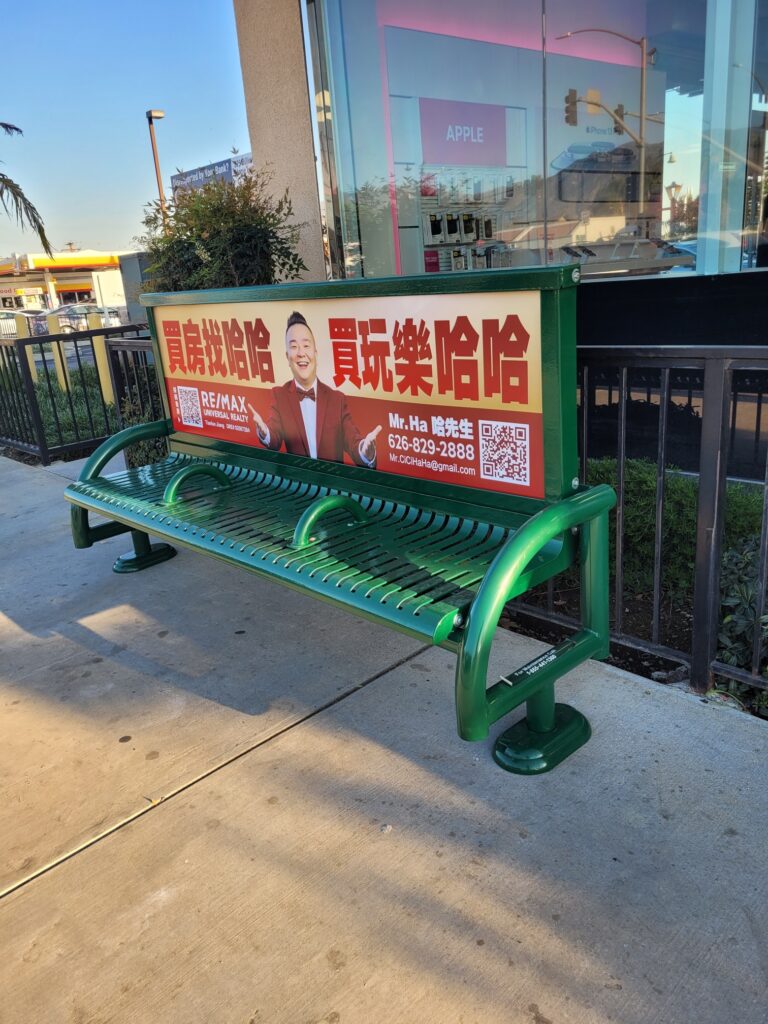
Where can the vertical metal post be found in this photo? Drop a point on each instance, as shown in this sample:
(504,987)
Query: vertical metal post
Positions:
(13,406)
(116,380)
(641,132)
(34,411)
(141,543)
(540,709)
(758,423)
(762,571)
(585,390)
(661,465)
(621,468)
(709,520)
(158,175)
(23,331)
(58,352)
(734,414)
(594,577)
(98,343)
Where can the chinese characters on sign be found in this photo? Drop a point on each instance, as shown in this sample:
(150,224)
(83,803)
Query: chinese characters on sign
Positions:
(446,387)
(201,351)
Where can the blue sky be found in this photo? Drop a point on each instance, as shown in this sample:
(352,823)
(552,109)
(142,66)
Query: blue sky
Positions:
(77,79)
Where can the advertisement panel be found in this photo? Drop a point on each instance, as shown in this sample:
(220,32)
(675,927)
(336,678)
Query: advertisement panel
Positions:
(440,387)
(224,170)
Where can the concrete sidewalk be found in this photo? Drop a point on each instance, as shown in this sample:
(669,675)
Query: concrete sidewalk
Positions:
(224,802)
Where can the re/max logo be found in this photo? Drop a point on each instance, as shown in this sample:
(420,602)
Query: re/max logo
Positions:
(214,400)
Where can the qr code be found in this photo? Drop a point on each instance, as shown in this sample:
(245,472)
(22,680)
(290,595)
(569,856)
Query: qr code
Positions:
(189,407)
(505,452)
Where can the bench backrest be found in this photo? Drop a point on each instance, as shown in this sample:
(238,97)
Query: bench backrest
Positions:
(471,377)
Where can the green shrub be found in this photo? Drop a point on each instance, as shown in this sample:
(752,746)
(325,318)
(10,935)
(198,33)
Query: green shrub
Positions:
(743,517)
(142,453)
(223,235)
(79,414)
(739,594)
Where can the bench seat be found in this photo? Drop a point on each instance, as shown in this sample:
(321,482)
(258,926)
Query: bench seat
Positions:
(414,567)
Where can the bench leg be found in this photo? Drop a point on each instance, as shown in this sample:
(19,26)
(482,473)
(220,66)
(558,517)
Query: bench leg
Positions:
(143,555)
(551,732)
(548,734)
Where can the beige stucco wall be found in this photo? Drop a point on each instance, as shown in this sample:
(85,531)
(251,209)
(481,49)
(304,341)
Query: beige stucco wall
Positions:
(277,103)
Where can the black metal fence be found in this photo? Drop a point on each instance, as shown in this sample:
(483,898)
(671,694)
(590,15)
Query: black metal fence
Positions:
(63,394)
(682,435)
(135,381)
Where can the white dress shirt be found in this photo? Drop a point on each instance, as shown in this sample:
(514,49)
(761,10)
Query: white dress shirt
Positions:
(309,415)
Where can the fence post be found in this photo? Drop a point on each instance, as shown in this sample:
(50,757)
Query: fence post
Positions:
(34,410)
(23,331)
(59,359)
(710,516)
(119,386)
(101,357)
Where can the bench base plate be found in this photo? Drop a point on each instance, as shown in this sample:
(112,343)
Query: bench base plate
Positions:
(524,752)
(135,561)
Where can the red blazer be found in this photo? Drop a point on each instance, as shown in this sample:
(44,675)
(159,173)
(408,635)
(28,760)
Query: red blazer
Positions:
(336,432)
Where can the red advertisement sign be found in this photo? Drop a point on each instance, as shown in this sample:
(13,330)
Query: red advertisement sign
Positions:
(443,388)
(455,133)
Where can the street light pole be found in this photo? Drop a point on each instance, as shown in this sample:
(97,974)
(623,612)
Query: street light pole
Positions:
(152,116)
(673,191)
(643,71)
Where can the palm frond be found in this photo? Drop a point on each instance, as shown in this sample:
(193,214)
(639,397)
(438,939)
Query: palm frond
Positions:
(10,129)
(16,204)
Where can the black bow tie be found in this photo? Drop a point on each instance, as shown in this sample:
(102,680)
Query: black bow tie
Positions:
(305,394)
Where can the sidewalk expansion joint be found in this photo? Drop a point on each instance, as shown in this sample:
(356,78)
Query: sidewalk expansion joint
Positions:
(153,804)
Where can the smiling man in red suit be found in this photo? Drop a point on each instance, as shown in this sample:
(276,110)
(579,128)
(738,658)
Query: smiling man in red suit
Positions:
(307,416)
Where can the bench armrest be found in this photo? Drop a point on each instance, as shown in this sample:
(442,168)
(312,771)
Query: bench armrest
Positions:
(305,525)
(475,706)
(117,442)
(171,492)
(83,534)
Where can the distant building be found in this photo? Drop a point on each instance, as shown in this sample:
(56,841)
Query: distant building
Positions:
(34,280)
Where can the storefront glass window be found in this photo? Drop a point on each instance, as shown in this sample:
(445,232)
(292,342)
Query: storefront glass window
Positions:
(625,135)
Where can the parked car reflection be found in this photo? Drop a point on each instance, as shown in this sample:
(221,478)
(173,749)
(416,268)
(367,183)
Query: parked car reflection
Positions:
(73,317)
(8,321)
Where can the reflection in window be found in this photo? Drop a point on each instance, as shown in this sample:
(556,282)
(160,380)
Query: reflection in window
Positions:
(458,137)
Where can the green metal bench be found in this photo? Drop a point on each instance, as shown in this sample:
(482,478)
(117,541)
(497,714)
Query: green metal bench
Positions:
(434,560)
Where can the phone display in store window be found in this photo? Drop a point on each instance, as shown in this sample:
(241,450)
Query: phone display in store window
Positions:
(468,228)
(433,228)
(452,227)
